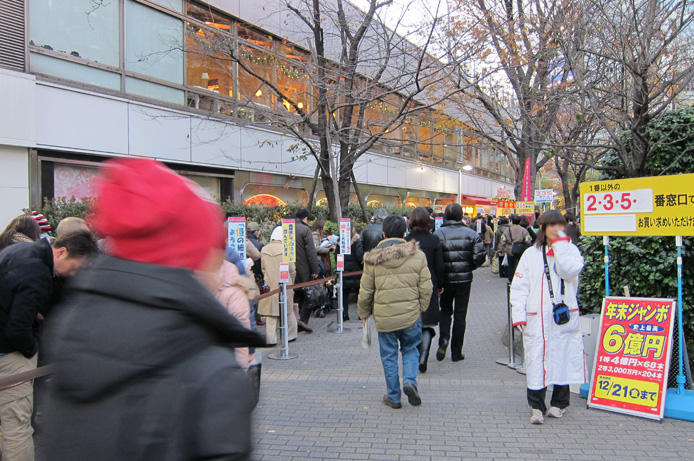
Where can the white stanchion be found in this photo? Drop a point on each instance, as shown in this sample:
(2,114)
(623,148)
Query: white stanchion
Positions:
(283,352)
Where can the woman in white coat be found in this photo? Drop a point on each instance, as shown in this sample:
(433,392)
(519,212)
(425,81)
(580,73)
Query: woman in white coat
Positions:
(554,353)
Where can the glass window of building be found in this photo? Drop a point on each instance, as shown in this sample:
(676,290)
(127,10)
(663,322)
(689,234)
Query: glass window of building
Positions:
(154,43)
(254,37)
(424,137)
(79,28)
(154,90)
(293,82)
(251,85)
(68,70)
(173,4)
(209,63)
(208,16)
(409,136)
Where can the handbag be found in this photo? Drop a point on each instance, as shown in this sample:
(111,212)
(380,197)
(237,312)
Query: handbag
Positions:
(260,282)
(495,265)
(316,295)
(560,312)
(367,332)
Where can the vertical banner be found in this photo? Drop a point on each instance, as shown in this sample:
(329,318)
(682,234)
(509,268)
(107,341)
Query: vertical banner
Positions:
(632,360)
(345,236)
(340,262)
(527,182)
(479,226)
(284,273)
(439,222)
(289,240)
(236,228)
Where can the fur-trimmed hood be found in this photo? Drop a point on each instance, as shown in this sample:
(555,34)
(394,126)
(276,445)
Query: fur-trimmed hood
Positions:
(391,252)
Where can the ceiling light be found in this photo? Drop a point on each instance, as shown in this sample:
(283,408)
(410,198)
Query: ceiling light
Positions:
(259,93)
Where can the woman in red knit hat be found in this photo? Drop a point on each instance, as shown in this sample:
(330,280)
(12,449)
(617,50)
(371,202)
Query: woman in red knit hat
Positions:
(143,352)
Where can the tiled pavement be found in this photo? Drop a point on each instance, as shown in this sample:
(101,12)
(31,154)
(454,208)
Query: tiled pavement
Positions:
(326,404)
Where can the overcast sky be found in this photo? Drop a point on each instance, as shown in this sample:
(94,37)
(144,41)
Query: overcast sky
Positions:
(413,12)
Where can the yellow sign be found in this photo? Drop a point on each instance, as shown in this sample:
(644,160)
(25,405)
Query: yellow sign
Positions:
(625,390)
(525,207)
(289,240)
(660,205)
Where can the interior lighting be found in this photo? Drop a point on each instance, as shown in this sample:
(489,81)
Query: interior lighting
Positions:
(259,93)
(300,105)
(468,168)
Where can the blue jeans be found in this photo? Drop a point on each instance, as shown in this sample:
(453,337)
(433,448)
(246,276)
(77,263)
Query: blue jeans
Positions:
(409,338)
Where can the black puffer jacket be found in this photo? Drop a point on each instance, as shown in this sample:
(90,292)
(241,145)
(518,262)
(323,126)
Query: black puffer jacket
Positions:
(26,277)
(306,257)
(147,372)
(463,251)
(371,236)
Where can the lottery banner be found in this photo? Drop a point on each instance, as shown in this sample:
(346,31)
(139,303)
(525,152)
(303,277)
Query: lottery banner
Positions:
(237,235)
(345,236)
(289,240)
(632,360)
(661,205)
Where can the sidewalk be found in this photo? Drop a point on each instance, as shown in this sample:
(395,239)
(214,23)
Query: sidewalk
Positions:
(326,404)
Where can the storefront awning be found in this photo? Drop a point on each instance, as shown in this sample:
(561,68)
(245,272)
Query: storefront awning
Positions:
(480,200)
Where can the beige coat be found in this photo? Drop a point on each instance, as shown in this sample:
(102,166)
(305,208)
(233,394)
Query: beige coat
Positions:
(270,260)
(396,285)
(252,251)
(234,292)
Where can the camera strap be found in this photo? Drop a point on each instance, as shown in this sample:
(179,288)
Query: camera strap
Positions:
(549,278)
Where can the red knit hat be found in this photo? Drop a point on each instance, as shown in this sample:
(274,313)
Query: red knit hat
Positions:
(42,221)
(152,215)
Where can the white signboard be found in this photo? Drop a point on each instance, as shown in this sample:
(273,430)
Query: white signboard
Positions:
(544,196)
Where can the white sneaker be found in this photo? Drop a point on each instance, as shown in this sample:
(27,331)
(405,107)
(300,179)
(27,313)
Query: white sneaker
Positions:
(555,412)
(537,417)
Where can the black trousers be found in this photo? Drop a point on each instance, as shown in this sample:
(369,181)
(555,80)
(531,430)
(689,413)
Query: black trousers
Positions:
(459,294)
(560,398)
(304,307)
(512,265)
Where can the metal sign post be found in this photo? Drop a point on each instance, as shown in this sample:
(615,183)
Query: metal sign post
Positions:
(283,352)
(511,360)
(340,291)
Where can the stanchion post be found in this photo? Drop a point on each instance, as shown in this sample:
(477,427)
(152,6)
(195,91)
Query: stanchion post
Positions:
(680,373)
(606,242)
(511,360)
(283,323)
(340,306)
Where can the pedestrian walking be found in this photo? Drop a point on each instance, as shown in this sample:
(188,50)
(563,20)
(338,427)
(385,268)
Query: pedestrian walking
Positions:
(525,223)
(502,226)
(143,352)
(353,263)
(545,310)
(433,250)
(306,266)
(271,257)
(26,276)
(372,234)
(463,252)
(573,230)
(396,289)
(514,241)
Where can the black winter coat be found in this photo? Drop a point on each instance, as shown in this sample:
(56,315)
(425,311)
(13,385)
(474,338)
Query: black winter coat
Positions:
(371,236)
(354,263)
(432,248)
(257,268)
(145,370)
(26,278)
(463,251)
(306,257)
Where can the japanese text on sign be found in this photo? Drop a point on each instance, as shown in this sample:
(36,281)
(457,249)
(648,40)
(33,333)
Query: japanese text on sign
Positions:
(345,236)
(340,263)
(544,196)
(236,228)
(284,273)
(633,353)
(662,205)
(288,240)
(525,207)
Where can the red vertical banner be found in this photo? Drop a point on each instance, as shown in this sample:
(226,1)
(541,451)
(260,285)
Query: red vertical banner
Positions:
(633,356)
(527,183)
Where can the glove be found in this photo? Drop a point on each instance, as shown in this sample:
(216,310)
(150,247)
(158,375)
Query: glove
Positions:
(520,327)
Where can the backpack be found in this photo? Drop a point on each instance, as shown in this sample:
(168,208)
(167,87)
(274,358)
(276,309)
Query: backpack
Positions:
(517,248)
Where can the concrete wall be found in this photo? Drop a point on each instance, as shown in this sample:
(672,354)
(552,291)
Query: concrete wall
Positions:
(14,182)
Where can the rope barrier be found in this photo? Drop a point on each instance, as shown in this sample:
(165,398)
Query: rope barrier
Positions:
(9,382)
(25,376)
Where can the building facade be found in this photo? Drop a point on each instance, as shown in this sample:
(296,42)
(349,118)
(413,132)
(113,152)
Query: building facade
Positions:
(86,81)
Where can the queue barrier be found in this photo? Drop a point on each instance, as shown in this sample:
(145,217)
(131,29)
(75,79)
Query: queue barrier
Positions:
(11,381)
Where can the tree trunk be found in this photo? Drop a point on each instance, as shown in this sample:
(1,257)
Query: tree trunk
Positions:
(360,198)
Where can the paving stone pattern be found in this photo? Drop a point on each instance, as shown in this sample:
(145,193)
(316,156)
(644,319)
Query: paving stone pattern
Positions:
(326,404)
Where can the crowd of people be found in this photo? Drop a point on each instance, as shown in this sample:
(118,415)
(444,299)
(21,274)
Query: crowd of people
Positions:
(160,320)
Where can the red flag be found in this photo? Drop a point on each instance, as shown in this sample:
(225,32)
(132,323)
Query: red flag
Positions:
(527,189)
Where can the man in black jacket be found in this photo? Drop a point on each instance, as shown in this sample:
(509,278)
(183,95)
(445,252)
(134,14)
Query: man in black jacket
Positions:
(26,278)
(463,252)
(372,234)
(306,266)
